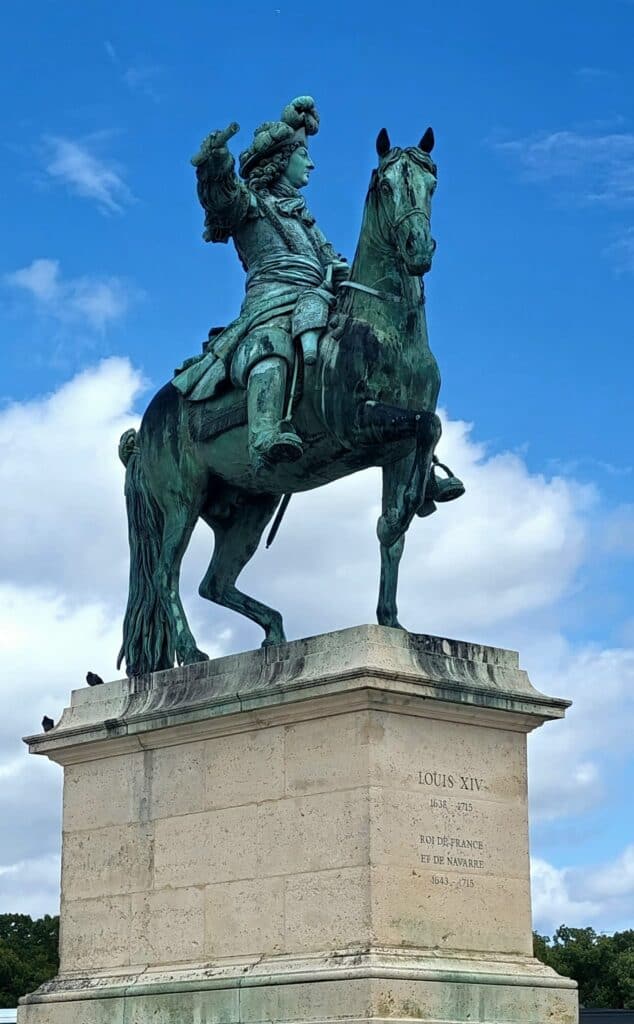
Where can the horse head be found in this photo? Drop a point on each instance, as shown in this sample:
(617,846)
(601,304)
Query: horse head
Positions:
(402,188)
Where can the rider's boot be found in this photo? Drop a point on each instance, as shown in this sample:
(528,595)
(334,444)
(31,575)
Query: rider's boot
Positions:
(441,489)
(310,341)
(271,437)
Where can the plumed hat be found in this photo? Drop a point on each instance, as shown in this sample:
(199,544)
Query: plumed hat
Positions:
(299,119)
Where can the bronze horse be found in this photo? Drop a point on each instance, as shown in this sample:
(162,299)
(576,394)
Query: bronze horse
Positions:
(370,400)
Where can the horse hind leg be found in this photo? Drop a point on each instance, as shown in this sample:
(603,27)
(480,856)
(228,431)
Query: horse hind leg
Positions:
(160,523)
(237,537)
(177,530)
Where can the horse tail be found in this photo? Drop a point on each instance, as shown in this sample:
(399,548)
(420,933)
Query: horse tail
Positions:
(128,445)
(148,644)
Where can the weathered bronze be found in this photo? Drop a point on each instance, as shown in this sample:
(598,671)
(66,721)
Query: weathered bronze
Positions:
(327,370)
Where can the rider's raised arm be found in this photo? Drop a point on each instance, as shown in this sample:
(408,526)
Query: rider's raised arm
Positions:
(224,198)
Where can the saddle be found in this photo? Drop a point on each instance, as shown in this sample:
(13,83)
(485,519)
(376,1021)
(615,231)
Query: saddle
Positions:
(214,416)
(227,409)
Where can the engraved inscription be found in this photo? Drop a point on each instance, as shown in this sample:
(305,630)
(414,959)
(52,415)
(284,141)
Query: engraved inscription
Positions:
(446,805)
(441,805)
(446,780)
(454,859)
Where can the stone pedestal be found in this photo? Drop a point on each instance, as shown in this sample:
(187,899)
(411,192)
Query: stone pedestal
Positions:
(334,829)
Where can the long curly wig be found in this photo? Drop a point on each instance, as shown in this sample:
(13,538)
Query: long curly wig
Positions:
(265,175)
(263,163)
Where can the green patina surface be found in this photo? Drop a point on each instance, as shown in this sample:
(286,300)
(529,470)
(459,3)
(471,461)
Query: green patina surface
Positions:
(325,371)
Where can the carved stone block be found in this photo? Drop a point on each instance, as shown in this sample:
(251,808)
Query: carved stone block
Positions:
(331,829)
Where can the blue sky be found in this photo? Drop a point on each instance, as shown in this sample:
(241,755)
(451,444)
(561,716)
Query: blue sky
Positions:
(106,285)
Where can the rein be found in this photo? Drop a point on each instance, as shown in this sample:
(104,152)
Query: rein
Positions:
(385,296)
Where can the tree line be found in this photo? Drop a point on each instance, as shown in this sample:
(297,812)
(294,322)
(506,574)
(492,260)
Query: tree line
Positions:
(28,955)
(602,965)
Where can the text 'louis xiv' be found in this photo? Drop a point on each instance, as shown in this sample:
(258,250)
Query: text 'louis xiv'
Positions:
(446,780)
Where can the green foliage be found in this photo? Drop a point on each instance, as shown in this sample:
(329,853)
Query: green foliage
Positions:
(602,965)
(28,954)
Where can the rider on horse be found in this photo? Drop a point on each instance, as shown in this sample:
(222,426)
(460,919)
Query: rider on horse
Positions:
(292,274)
(377,386)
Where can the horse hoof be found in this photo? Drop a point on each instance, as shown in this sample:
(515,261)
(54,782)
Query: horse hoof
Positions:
(194,657)
(392,623)
(426,509)
(271,642)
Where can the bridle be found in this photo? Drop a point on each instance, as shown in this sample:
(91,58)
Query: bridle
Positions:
(410,213)
(392,226)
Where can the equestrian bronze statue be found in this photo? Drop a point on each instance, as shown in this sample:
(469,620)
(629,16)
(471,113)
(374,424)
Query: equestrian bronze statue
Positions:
(327,370)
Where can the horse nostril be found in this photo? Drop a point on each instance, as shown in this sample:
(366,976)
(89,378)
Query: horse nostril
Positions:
(410,245)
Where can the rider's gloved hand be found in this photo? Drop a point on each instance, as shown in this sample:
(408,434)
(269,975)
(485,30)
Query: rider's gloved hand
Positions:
(214,146)
(340,272)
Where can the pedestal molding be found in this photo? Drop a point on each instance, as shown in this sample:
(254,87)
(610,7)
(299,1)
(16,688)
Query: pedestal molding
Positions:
(517,972)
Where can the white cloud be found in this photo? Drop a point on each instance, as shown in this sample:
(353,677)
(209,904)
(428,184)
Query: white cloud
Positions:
(618,535)
(614,881)
(139,77)
(586,168)
(595,736)
(40,278)
(71,162)
(62,484)
(32,885)
(553,904)
(599,896)
(593,74)
(142,78)
(88,301)
(46,648)
(596,168)
(621,251)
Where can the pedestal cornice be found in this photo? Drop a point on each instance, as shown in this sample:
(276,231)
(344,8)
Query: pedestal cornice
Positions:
(361,667)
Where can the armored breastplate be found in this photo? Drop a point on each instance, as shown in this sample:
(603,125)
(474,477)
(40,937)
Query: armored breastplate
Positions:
(276,226)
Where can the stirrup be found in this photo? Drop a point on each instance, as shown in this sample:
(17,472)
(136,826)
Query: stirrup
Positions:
(447,489)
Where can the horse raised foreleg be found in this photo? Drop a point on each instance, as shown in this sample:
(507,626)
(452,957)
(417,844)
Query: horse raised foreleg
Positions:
(378,423)
(404,483)
(409,493)
(237,537)
(395,479)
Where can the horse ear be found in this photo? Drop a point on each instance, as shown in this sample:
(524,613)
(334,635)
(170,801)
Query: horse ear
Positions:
(383,144)
(427,141)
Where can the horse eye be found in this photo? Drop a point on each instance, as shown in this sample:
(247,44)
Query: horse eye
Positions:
(386,188)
